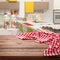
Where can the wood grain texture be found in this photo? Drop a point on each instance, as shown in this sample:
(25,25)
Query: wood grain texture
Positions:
(10,45)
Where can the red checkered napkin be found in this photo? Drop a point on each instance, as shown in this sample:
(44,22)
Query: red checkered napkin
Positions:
(52,39)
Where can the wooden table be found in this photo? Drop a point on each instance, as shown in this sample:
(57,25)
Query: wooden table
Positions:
(10,45)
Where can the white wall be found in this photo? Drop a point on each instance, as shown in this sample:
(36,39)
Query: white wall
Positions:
(21,9)
(56,4)
(49,13)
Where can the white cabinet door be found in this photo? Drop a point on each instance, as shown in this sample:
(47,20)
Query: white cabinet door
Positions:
(4,32)
(13,31)
(2,0)
(9,31)
(56,4)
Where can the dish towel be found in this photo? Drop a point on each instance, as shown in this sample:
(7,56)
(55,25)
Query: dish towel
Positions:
(52,39)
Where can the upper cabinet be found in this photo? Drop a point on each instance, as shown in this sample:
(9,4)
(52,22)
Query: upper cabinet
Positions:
(9,6)
(12,0)
(56,4)
(31,7)
(40,6)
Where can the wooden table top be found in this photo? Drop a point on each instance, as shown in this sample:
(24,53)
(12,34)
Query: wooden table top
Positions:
(10,45)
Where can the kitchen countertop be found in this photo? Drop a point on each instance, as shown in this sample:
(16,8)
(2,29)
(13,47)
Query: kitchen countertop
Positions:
(10,45)
(39,25)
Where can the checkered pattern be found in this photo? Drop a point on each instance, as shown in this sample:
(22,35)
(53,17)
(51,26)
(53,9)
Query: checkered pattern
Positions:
(26,36)
(52,39)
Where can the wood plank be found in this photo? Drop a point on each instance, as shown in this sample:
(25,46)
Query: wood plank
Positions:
(10,45)
(21,54)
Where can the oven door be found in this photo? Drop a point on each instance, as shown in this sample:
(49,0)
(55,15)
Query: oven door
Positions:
(56,16)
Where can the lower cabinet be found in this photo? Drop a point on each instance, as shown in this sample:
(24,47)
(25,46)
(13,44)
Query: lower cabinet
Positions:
(9,31)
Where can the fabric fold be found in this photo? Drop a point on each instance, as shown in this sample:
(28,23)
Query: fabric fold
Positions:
(52,39)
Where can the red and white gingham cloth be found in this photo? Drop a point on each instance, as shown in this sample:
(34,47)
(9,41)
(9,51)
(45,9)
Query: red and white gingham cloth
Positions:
(52,39)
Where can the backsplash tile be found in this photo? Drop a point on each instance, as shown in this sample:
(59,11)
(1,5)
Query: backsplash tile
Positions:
(38,17)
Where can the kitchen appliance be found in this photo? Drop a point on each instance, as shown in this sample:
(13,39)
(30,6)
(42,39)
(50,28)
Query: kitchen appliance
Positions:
(56,16)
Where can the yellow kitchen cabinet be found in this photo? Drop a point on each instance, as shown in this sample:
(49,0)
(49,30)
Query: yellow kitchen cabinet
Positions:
(29,7)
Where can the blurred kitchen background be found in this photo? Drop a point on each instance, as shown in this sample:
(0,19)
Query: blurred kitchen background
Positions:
(41,12)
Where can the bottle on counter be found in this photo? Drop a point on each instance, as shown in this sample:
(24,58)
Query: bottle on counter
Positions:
(7,21)
(13,20)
